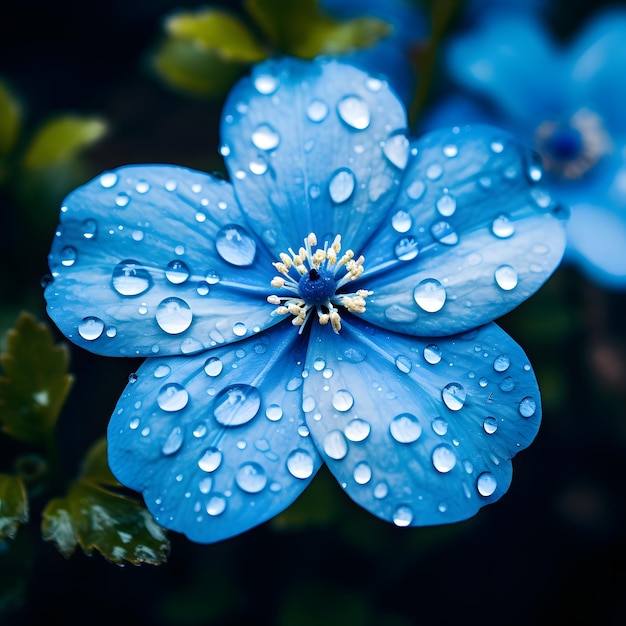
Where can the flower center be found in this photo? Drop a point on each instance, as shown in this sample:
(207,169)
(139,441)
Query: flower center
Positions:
(571,148)
(312,278)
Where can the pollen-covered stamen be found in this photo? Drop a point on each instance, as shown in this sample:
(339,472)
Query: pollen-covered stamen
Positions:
(317,282)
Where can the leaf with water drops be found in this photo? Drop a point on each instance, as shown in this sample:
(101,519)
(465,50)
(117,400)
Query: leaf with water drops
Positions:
(313,148)
(13,505)
(420,432)
(35,381)
(216,442)
(156,260)
(10,119)
(471,235)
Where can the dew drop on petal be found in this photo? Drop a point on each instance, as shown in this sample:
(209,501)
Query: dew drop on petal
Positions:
(354,354)
(403,515)
(357,430)
(446,205)
(432,354)
(440,427)
(501,363)
(416,190)
(403,363)
(90,328)
(343,400)
(444,459)
(353,110)
(406,249)
(430,295)
(108,180)
(527,406)
(300,464)
(319,364)
(205,484)
(236,405)
(273,412)
(172,397)
(177,272)
(317,110)
(174,441)
(235,245)
(210,460)
(381,490)
(162,370)
(266,84)
(216,505)
(450,150)
(265,137)
(68,256)
(251,478)
(444,233)
(454,395)
(434,171)
(490,425)
(506,277)
(401,221)
(239,329)
(173,316)
(486,484)
(130,279)
(341,185)
(335,445)
(362,473)
(90,227)
(213,366)
(199,431)
(396,149)
(405,428)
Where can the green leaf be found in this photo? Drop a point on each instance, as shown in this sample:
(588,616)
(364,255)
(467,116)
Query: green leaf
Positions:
(301,29)
(36,382)
(95,466)
(10,119)
(13,505)
(62,138)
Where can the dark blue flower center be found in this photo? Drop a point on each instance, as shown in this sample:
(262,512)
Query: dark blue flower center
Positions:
(317,286)
(565,143)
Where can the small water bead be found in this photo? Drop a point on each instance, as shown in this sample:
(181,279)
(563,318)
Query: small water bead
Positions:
(502,227)
(90,227)
(308,404)
(108,180)
(450,150)
(486,484)
(381,490)
(177,272)
(300,464)
(172,397)
(173,316)
(506,277)
(251,478)
(401,221)
(354,355)
(174,441)
(239,329)
(396,149)
(236,405)
(406,249)
(434,171)
(235,245)
(343,400)
(357,430)
(403,516)
(497,147)
(354,111)
(273,412)
(440,427)
(362,473)
(319,364)
(403,363)
(68,256)
(317,110)
(205,485)
(444,233)
(483,382)
(90,328)
(265,137)
(213,366)
(454,396)
(446,205)
(430,295)
(134,423)
(443,459)
(202,289)
(216,505)
(122,199)
(335,445)
(142,186)
(130,278)
(132,378)
(162,370)
(111,332)
(210,460)
(490,425)
(405,428)
(432,354)
(416,190)
(266,84)
(199,431)
(533,169)
(303,431)
(501,363)
(527,406)
(341,186)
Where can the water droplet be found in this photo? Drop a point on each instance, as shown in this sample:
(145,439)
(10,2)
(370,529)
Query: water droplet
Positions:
(273,412)
(142,186)
(396,149)
(162,370)
(444,459)
(108,180)
(430,295)
(251,478)
(122,199)
(341,185)
(205,484)
(319,364)
(533,169)
(502,227)
(68,256)
(258,166)
(132,378)
(202,288)
(353,110)
(317,110)
(213,366)
(440,427)
(362,473)
(216,505)
(446,205)
(210,460)
(130,279)
(199,431)
(434,171)
(527,406)
(173,316)
(172,397)
(236,405)
(90,328)
(450,150)
(501,363)
(308,404)
(401,221)
(265,137)
(300,464)
(381,490)
(432,354)
(506,277)
(335,445)
(416,190)
(497,146)
(490,425)
(177,272)
(354,355)
(235,245)
(134,423)
(357,430)
(403,363)
(174,441)
(444,233)
(454,395)
(266,84)
(343,400)
(239,329)
(486,484)
(405,428)
(90,228)
(403,515)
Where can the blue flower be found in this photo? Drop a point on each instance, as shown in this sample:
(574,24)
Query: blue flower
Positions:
(333,304)
(567,102)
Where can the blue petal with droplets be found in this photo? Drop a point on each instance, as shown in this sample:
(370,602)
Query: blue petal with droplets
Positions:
(471,236)
(156,259)
(313,147)
(216,442)
(420,432)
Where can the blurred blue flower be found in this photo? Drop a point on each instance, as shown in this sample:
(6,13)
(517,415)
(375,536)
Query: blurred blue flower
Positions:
(271,350)
(568,102)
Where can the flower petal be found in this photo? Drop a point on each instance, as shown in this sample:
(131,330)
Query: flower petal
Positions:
(156,259)
(471,236)
(216,442)
(313,147)
(420,433)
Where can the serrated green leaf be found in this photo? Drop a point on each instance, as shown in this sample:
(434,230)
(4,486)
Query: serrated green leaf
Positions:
(35,382)
(10,119)
(57,526)
(302,29)
(62,139)
(95,467)
(13,505)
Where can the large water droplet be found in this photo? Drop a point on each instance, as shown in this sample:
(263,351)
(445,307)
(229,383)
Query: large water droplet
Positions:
(90,227)
(401,221)
(265,137)
(362,473)
(68,256)
(444,233)
(317,110)
(210,460)
(406,249)
(405,428)
(353,110)
(216,505)
(236,405)
(403,363)
(444,459)
(172,397)
(174,441)
(403,515)
(486,484)
(91,328)
(446,205)
(501,363)
(396,149)
(335,445)
(266,84)
(527,406)
(130,279)
(251,477)
(162,370)
(108,180)
(506,277)
(300,464)
(430,295)
(235,245)
(343,400)
(357,430)
(490,425)
(273,412)
(454,395)
(177,272)
(173,316)
(341,185)
(354,354)
(213,366)
(432,354)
